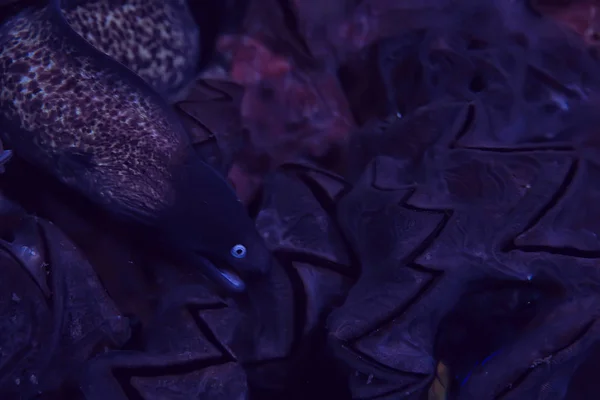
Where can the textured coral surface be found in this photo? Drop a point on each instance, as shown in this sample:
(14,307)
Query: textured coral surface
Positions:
(423,173)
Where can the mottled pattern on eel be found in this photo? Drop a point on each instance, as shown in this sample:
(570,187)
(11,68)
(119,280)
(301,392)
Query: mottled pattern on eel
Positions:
(157,39)
(54,100)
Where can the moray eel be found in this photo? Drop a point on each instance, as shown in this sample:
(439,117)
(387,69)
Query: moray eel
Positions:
(69,109)
(157,39)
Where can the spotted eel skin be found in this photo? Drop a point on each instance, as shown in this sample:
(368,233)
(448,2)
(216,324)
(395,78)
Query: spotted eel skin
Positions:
(157,39)
(61,101)
(98,127)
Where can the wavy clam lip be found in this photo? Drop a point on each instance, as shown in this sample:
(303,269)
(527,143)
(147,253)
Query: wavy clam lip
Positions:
(224,276)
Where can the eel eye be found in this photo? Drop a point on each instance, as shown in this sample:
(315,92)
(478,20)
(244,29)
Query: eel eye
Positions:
(238,251)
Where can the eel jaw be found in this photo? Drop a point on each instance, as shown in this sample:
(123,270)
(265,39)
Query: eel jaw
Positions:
(5,156)
(224,277)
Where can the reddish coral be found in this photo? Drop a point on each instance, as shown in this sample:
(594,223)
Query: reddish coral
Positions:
(290,113)
(582,16)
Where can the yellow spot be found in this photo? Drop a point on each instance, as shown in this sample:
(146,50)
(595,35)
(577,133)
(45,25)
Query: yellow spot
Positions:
(441,384)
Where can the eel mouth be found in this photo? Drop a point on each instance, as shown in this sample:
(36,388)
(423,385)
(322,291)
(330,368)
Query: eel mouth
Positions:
(5,157)
(224,276)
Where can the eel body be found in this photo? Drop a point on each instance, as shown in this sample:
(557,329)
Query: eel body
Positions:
(72,110)
(156,39)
